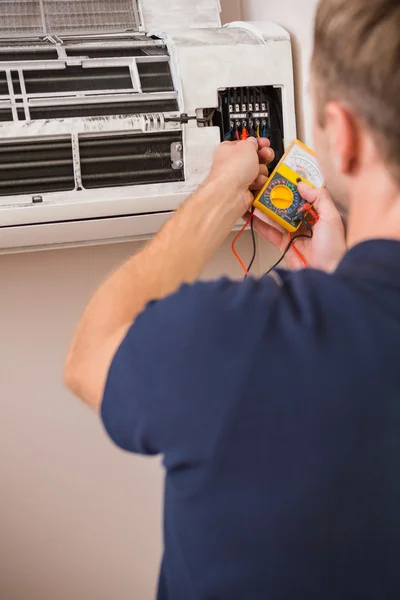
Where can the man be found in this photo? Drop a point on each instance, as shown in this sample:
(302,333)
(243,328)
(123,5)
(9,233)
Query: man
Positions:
(276,403)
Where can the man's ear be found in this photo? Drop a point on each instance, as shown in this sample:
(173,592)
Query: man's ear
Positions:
(343,131)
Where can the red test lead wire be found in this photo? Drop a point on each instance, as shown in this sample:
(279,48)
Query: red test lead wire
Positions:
(234,244)
(299,254)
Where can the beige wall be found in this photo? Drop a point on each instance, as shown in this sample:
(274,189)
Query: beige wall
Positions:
(79,520)
(232,10)
(297,16)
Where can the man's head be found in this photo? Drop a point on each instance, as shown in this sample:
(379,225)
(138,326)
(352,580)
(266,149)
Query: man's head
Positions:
(356,89)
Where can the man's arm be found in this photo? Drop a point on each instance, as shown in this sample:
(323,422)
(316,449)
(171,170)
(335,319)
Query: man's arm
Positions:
(175,256)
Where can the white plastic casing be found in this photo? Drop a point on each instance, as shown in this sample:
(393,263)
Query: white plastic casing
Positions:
(204,58)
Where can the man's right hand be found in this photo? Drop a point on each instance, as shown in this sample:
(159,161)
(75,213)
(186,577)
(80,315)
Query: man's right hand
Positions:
(326,248)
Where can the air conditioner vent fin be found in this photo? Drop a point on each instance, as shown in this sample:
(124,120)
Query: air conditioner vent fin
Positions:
(26,54)
(103,109)
(36,167)
(5,115)
(76,79)
(156,77)
(128,160)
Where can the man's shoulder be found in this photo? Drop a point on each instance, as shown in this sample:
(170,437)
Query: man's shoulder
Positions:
(286,304)
(283,291)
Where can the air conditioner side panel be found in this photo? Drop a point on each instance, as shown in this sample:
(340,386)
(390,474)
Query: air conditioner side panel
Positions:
(239,55)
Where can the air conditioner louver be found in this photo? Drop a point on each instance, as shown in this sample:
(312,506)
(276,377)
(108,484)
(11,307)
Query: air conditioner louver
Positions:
(3,85)
(128,160)
(17,55)
(5,114)
(77,79)
(95,110)
(115,52)
(30,167)
(155,77)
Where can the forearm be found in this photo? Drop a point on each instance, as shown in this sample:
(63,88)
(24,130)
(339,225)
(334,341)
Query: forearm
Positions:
(175,256)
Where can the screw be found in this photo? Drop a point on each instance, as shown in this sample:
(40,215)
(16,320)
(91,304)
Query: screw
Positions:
(178,147)
(179,164)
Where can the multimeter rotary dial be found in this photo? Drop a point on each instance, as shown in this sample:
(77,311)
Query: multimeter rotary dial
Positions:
(283,198)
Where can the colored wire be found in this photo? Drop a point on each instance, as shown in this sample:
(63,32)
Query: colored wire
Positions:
(253,236)
(237,135)
(299,254)
(245,134)
(308,208)
(247,223)
(258,131)
(251,130)
(288,247)
(229,134)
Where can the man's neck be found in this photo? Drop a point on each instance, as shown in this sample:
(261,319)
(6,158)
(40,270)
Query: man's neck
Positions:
(374,209)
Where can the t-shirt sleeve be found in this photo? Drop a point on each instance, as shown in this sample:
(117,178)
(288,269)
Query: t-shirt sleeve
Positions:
(183,366)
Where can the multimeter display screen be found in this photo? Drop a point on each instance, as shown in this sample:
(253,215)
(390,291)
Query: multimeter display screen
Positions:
(305,165)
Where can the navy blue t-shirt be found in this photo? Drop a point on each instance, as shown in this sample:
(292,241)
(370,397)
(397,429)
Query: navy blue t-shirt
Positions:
(276,406)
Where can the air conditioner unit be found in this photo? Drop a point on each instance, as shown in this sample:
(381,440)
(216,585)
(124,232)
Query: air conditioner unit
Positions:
(110,111)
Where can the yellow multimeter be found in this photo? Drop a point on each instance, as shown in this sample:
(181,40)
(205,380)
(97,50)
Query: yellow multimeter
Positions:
(280,199)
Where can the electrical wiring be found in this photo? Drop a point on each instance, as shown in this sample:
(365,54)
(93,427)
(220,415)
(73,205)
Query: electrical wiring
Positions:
(308,208)
(244,134)
(228,135)
(208,118)
(247,223)
(251,129)
(288,247)
(184,118)
(253,236)
(250,221)
(299,254)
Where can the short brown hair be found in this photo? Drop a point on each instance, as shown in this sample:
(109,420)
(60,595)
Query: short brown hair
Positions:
(357,61)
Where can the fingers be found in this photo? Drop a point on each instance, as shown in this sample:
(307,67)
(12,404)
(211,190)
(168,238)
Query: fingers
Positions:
(259,183)
(261,179)
(266,155)
(263,143)
(308,193)
(264,170)
(321,200)
(230,144)
(252,140)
